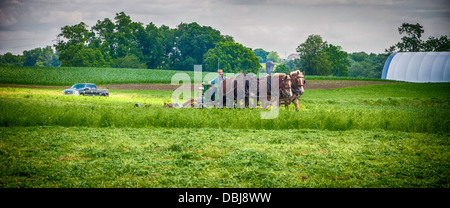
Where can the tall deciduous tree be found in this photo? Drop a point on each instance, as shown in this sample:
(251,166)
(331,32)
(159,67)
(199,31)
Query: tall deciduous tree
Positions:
(168,42)
(313,58)
(75,51)
(339,60)
(8,59)
(273,56)
(163,47)
(124,34)
(437,44)
(106,34)
(261,54)
(233,57)
(192,42)
(412,42)
(150,43)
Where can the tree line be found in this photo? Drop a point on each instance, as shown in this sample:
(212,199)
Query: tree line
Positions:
(317,57)
(412,41)
(122,43)
(35,57)
(127,44)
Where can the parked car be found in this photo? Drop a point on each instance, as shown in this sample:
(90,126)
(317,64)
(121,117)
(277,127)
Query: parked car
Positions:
(85,89)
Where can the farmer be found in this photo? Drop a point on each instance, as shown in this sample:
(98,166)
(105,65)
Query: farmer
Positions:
(217,81)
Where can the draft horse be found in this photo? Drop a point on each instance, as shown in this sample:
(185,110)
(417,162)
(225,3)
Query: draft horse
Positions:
(298,88)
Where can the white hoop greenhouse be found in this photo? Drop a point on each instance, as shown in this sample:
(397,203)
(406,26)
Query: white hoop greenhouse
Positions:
(418,67)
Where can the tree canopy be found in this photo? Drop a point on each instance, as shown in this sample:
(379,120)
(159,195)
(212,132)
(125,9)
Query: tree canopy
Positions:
(313,57)
(124,43)
(225,55)
(273,56)
(412,41)
(261,54)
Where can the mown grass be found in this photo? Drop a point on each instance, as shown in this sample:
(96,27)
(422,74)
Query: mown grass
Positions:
(393,135)
(67,76)
(401,107)
(205,157)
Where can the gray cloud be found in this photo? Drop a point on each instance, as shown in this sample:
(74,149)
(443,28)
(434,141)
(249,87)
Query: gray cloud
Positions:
(274,25)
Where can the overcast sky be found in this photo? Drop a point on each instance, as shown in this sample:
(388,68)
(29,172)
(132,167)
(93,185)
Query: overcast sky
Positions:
(274,25)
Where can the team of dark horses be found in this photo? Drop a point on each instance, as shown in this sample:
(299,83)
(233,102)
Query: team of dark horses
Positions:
(246,90)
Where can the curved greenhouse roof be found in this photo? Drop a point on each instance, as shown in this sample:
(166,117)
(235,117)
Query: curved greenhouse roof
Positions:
(418,67)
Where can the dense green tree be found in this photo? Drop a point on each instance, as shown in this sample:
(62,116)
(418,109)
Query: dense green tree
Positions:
(261,54)
(163,47)
(412,42)
(437,44)
(105,31)
(40,57)
(273,56)
(358,56)
(150,43)
(282,68)
(31,56)
(291,65)
(85,57)
(366,65)
(8,59)
(76,35)
(192,42)
(313,58)
(129,61)
(123,34)
(46,57)
(338,59)
(360,69)
(234,58)
(168,42)
(74,51)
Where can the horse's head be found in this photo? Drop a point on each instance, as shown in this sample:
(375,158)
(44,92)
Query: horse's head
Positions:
(298,82)
(286,86)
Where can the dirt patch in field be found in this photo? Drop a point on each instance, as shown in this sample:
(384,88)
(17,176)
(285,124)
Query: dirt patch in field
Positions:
(310,84)
(331,84)
(164,87)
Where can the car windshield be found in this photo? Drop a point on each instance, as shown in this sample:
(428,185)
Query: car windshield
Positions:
(91,86)
(78,86)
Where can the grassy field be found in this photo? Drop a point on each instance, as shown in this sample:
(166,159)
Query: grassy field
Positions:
(392,135)
(205,157)
(67,76)
(400,107)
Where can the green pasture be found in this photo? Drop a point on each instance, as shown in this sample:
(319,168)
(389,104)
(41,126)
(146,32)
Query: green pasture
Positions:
(401,107)
(392,135)
(44,156)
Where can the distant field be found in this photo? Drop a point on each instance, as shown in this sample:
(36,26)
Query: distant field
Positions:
(67,76)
